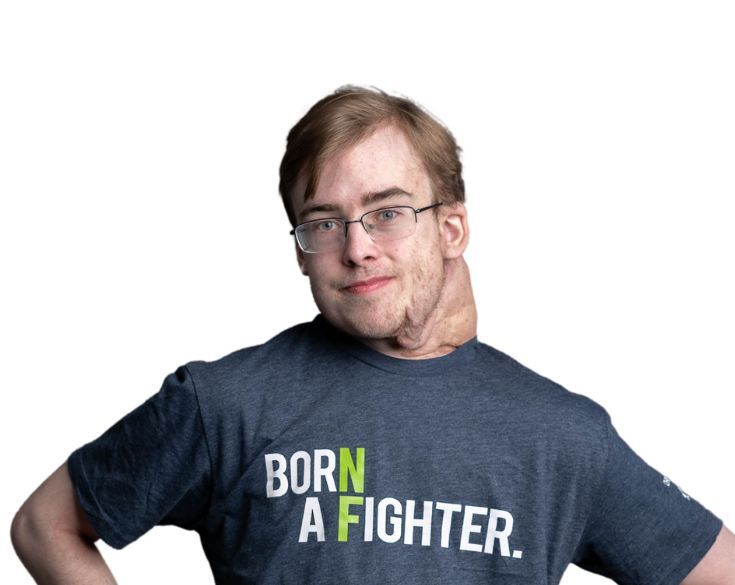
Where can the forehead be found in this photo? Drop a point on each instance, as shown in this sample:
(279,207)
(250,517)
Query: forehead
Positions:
(383,160)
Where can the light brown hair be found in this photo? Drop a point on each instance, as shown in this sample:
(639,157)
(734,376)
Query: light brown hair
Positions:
(349,115)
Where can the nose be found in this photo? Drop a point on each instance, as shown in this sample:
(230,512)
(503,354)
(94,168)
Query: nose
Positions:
(359,247)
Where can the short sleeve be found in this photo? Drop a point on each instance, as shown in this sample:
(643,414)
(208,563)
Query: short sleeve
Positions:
(151,467)
(642,528)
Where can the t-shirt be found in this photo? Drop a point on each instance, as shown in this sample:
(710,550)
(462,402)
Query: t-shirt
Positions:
(313,459)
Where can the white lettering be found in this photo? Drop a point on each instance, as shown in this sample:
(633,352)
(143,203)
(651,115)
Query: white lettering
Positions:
(312,520)
(275,473)
(500,535)
(324,472)
(448,510)
(296,487)
(369,519)
(394,536)
(468,528)
(424,523)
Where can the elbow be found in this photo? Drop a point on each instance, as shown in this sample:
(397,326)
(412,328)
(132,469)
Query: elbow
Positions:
(30,530)
(22,531)
(50,521)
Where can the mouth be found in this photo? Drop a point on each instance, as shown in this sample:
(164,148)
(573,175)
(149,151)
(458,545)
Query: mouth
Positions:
(363,287)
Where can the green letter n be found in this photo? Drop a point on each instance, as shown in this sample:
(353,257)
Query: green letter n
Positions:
(355,471)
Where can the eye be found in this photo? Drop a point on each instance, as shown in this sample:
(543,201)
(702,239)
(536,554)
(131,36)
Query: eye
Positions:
(388,215)
(328,225)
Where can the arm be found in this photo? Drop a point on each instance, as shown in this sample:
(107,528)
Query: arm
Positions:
(54,539)
(717,567)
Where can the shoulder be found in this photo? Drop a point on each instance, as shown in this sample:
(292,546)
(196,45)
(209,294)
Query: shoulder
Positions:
(256,372)
(290,344)
(558,411)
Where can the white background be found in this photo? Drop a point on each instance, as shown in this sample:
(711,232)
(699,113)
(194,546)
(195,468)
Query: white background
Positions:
(141,225)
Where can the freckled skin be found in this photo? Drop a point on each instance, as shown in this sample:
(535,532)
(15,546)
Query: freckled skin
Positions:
(417,314)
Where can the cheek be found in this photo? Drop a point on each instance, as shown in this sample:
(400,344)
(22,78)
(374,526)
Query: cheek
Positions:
(424,261)
(318,272)
(430,280)
(427,275)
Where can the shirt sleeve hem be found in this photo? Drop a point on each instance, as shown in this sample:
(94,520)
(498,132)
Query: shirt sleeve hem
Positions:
(698,549)
(85,498)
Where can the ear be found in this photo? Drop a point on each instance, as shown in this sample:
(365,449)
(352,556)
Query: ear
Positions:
(454,229)
(300,259)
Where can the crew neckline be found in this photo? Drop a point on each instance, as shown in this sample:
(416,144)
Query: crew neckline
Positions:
(463,355)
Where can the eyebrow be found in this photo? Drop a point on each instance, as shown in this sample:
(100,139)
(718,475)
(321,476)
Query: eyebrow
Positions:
(366,199)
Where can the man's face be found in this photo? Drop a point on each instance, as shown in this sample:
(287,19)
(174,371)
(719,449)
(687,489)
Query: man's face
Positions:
(374,290)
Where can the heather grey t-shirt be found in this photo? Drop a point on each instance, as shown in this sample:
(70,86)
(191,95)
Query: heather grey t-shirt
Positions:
(312,459)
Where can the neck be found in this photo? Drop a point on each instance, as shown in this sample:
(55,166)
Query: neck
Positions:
(452,322)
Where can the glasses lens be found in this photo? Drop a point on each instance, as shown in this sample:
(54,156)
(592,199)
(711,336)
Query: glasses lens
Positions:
(322,235)
(391,223)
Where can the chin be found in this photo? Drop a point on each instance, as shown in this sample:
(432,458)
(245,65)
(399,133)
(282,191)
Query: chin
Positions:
(372,329)
(364,324)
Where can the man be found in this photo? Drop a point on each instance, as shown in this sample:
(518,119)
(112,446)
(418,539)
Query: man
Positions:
(382,442)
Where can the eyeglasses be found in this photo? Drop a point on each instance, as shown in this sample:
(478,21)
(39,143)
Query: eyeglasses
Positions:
(382,225)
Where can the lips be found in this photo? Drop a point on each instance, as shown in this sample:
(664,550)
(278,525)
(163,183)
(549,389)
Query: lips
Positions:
(362,287)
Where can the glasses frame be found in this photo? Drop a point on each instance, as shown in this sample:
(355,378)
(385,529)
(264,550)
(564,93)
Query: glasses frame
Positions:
(346,222)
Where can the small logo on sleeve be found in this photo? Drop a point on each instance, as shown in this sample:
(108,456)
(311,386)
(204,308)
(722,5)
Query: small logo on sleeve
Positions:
(669,483)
